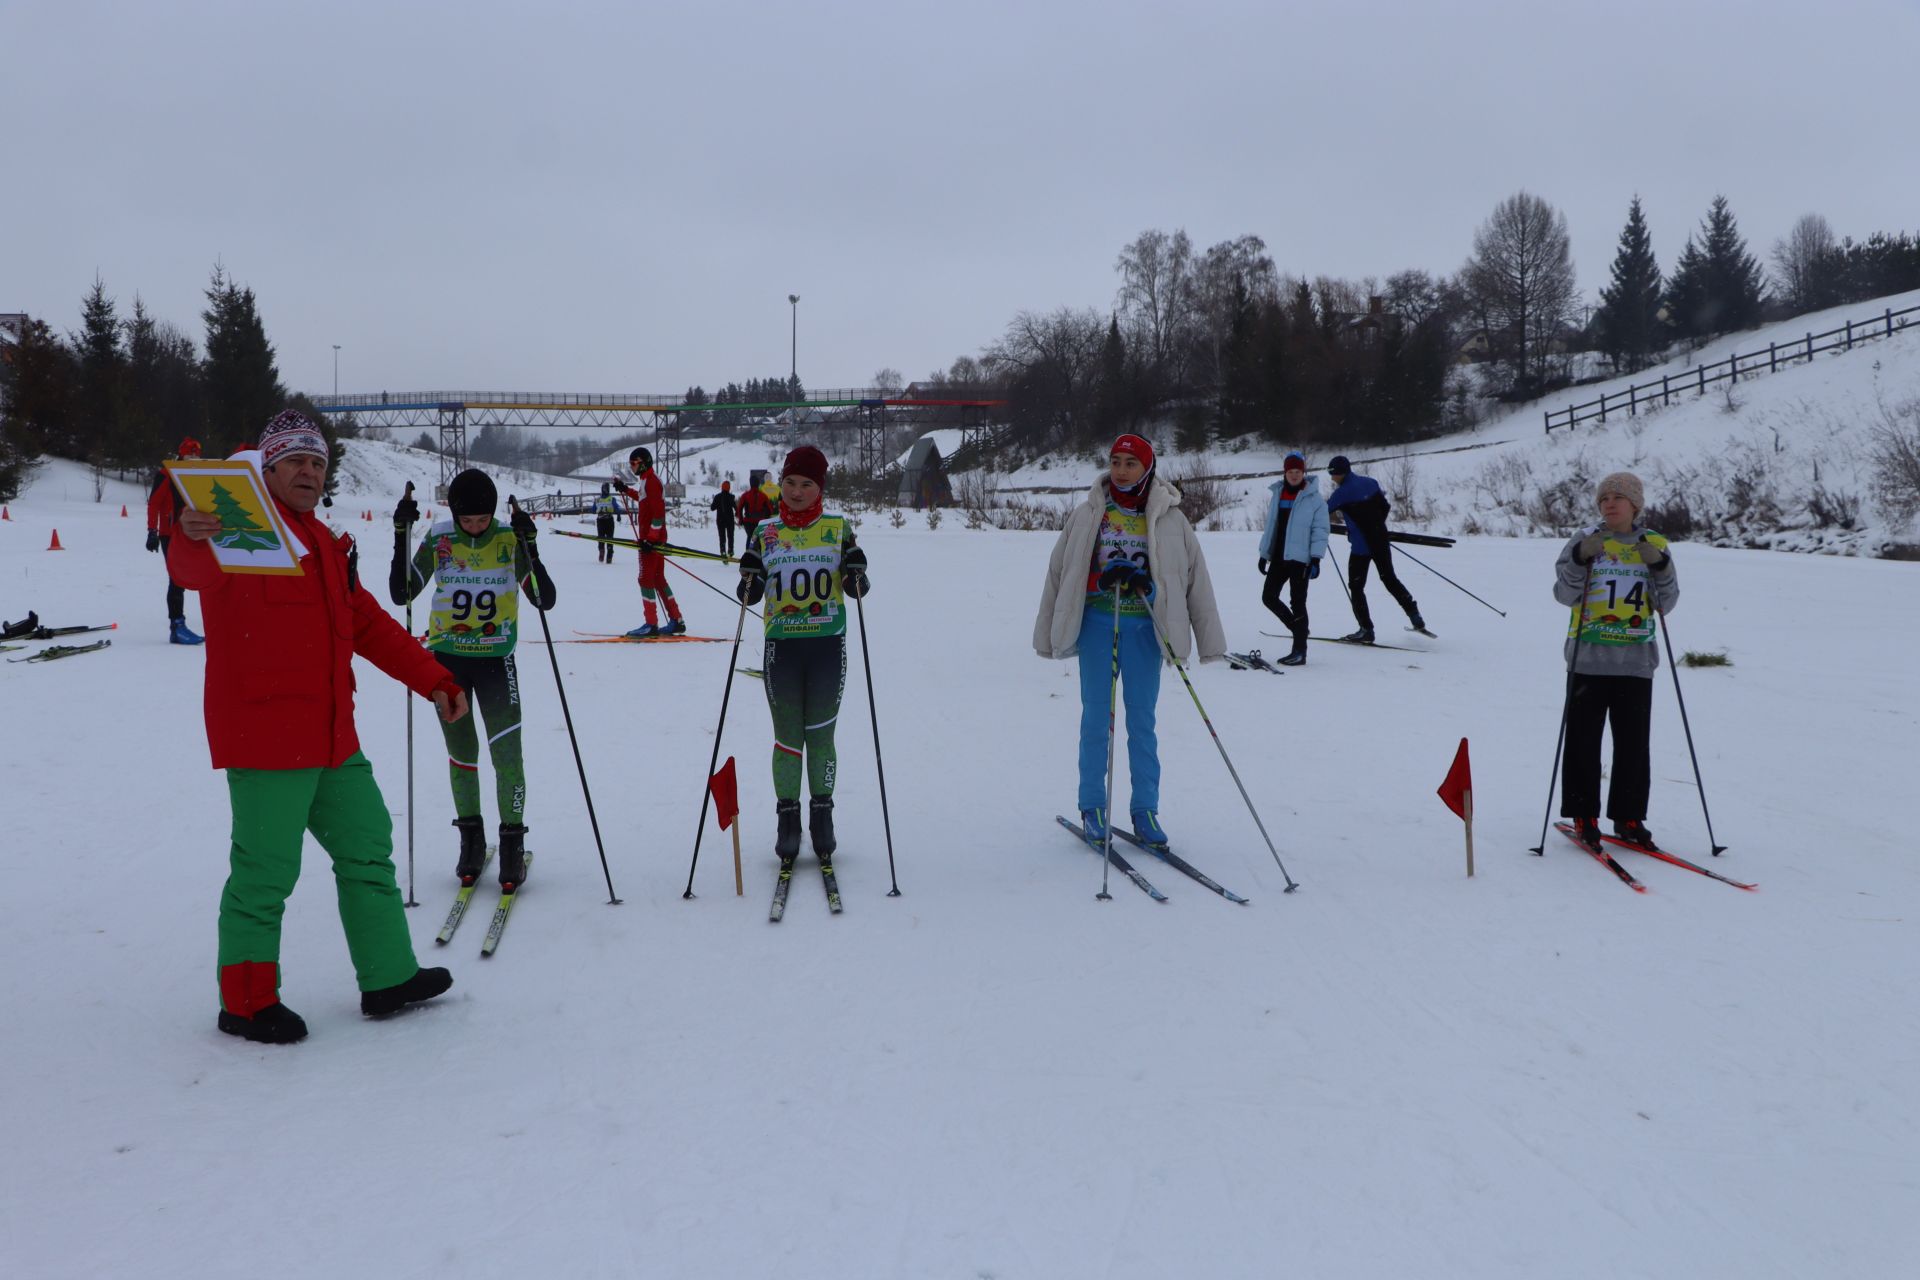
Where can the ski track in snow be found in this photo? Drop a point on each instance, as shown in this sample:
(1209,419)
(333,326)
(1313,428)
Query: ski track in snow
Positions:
(1395,1071)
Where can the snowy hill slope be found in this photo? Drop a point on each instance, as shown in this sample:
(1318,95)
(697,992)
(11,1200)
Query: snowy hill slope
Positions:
(1395,1071)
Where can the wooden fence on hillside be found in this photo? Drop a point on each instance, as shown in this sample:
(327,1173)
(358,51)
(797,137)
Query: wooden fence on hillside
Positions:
(1648,395)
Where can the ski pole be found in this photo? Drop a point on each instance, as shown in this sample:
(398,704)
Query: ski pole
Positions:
(703,582)
(1566,708)
(1449,581)
(1207,720)
(880,764)
(1113,696)
(1698,782)
(407,545)
(613,899)
(706,792)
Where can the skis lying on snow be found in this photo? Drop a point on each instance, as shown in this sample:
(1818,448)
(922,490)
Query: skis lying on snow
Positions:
(1358,644)
(601,637)
(1673,858)
(1166,854)
(1605,859)
(1252,661)
(48,633)
(784,882)
(460,900)
(1120,864)
(498,925)
(51,652)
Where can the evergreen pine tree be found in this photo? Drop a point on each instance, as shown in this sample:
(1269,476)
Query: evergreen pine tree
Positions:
(97,388)
(1629,321)
(242,381)
(1113,407)
(1717,284)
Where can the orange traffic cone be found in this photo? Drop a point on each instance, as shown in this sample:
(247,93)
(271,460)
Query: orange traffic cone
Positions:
(123,511)
(5,514)
(55,544)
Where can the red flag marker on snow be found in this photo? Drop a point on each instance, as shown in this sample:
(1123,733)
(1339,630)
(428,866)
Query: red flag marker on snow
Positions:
(726,807)
(1457,794)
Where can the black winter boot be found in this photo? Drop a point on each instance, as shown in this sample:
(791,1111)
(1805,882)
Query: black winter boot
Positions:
(1298,658)
(786,841)
(820,827)
(275,1024)
(513,855)
(473,848)
(425,984)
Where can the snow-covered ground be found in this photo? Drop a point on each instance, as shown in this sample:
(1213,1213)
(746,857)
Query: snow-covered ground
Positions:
(1396,1071)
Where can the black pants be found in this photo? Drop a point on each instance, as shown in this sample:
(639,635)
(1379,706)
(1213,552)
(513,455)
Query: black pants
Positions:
(1626,701)
(176,594)
(603,528)
(1293,575)
(726,536)
(1381,560)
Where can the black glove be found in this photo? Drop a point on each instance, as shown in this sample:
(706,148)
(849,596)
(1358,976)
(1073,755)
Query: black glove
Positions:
(1313,567)
(753,579)
(1650,555)
(153,539)
(853,573)
(1127,576)
(1588,547)
(406,514)
(1263,566)
(523,529)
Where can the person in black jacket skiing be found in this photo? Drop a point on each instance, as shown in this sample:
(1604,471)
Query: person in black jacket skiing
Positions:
(722,506)
(1358,498)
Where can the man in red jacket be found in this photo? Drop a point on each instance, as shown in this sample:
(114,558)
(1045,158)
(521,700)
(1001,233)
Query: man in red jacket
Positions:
(650,528)
(160,504)
(279,709)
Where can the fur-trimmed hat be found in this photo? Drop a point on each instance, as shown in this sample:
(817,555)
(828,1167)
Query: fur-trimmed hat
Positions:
(291,432)
(1624,483)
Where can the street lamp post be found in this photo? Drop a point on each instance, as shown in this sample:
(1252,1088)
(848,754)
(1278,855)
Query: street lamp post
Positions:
(336,371)
(793,368)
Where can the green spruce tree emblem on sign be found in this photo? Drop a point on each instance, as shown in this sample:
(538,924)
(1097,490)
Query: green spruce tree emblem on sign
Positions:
(238,532)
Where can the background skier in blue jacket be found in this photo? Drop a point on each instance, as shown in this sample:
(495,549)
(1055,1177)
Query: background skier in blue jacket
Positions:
(1365,508)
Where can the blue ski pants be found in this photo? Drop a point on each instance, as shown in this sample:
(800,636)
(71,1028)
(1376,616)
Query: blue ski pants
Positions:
(1140,691)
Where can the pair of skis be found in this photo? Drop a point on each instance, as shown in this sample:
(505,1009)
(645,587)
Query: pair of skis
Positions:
(1360,644)
(1613,864)
(55,651)
(1252,661)
(1163,852)
(496,926)
(784,881)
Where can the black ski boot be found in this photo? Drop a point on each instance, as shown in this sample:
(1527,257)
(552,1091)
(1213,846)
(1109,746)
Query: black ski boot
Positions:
(1362,636)
(1587,832)
(513,856)
(275,1024)
(786,841)
(1635,833)
(473,848)
(425,984)
(25,627)
(820,827)
(1298,658)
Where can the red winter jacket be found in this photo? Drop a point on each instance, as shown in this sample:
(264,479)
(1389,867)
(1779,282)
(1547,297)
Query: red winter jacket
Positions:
(160,505)
(280,653)
(650,520)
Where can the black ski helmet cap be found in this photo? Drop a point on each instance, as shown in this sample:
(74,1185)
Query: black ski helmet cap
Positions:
(472,494)
(641,458)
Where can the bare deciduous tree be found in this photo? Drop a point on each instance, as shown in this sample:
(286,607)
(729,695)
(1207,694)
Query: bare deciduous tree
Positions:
(1800,259)
(1056,356)
(888,381)
(1156,296)
(1521,276)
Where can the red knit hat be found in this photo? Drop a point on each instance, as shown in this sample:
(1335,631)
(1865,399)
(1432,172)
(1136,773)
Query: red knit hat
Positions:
(806,461)
(189,448)
(1136,447)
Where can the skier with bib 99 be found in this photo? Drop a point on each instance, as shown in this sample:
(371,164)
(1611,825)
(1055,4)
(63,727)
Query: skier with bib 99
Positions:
(803,564)
(478,567)
(1128,534)
(1618,578)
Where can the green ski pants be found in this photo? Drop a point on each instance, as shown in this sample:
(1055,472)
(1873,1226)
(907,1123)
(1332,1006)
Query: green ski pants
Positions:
(273,809)
(493,687)
(805,677)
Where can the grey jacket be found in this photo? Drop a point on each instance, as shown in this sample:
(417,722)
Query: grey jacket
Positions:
(1183,603)
(1569,585)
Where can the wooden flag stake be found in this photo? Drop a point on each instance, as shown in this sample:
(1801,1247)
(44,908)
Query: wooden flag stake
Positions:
(739,885)
(1467,798)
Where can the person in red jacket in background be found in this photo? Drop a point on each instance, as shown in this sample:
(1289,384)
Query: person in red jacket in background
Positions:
(279,710)
(160,504)
(650,526)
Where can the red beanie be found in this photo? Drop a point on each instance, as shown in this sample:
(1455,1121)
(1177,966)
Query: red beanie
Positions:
(1135,447)
(189,448)
(806,461)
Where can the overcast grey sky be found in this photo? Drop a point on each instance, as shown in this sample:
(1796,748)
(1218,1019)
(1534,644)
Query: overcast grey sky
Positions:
(619,197)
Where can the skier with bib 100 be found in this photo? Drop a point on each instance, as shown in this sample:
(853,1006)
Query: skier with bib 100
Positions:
(803,563)
(477,567)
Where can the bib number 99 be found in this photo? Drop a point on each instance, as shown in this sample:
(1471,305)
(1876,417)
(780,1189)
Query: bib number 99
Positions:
(466,604)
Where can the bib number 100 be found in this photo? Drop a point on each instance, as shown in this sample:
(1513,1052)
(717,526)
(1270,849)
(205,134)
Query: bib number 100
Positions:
(801,585)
